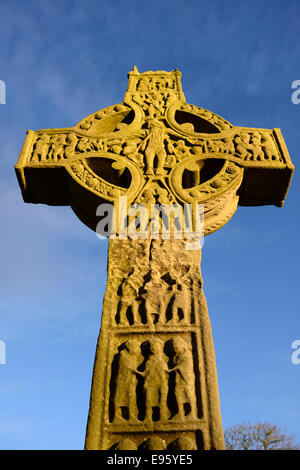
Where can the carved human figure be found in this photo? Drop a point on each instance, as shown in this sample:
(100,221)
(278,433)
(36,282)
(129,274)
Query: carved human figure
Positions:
(124,444)
(155,147)
(153,443)
(228,146)
(99,144)
(255,147)
(131,151)
(156,104)
(184,378)
(156,380)
(241,147)
(141,94)
(148,98)
(163,196)
(268,146)
(148,196)
(126,382)
(84,145)
(41,148)
(214,145)
(130,292)
(57,147)
(71,144)
(155,297)
(181,300)
(182,443)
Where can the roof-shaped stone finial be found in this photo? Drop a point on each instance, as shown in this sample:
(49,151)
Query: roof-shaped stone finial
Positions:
(154,87)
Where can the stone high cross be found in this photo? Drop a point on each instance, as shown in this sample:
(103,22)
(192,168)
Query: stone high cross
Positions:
(154,382)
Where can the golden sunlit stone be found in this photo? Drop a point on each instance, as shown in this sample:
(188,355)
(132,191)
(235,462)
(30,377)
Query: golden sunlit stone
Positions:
(155,382)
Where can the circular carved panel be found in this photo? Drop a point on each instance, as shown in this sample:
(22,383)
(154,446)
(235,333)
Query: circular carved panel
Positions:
(199,178)
(105,175)
(193,121)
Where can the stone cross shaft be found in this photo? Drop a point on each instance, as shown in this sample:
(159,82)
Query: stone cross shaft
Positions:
(154,382)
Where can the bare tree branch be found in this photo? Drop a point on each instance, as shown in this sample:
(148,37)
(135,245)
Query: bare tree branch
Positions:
(258,436)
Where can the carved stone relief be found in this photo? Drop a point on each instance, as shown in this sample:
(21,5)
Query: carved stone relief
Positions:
(153,381)
(165,441)
(140,303)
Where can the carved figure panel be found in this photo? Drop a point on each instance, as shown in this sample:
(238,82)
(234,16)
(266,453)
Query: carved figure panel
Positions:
(153,381)
(161,441)
(123,389)
(148,297)
(182,375)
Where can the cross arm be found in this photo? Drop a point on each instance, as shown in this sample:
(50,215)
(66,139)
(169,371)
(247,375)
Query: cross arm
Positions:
(261,153)
(49,156)
(40,167)
(268,173)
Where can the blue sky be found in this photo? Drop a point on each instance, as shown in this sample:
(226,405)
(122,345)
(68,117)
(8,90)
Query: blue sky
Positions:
(63,60)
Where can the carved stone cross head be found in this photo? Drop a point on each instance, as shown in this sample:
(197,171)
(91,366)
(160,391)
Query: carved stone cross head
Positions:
(154,148)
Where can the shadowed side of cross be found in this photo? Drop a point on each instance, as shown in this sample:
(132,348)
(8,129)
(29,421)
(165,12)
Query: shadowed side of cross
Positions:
(154,147)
